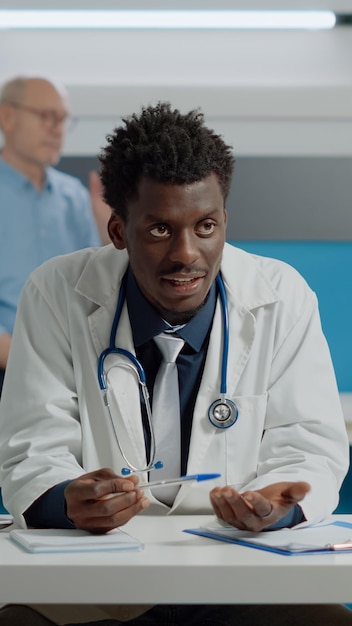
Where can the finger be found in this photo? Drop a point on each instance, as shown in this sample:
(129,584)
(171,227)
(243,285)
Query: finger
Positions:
(221,507)
(116,505)
(233,508)
(121,517)
(107,473)
(117,486)
(257,515)
(258,505)
(230,507)
(296,492)
(101,524)
(83,514)
(93,490)
(83,492)
(94,183)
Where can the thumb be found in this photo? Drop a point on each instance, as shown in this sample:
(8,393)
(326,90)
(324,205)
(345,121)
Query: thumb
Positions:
(295,492)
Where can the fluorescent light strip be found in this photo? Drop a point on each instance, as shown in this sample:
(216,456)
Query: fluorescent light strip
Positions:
(167,19)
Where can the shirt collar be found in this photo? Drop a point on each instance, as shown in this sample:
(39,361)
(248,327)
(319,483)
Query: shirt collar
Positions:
(49,182)
(146,323)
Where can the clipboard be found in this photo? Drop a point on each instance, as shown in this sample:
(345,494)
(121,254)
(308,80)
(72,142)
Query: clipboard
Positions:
(325,538)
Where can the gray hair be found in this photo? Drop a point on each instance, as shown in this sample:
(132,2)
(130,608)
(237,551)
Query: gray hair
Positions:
(13,90)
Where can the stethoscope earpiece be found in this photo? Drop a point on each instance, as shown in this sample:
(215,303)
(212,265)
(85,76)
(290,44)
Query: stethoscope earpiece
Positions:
(223,413)
(126,471)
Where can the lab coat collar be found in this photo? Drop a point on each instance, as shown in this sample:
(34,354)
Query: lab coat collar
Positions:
(102,275)
(253,292)
(100,282)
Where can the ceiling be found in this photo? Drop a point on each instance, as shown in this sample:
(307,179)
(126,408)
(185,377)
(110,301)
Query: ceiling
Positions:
(249,78)
(182,58)
(334,5)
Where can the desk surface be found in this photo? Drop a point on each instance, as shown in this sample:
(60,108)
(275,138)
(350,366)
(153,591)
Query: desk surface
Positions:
(174,567)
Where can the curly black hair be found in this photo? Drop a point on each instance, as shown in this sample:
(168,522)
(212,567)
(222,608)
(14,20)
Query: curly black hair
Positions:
(165,146)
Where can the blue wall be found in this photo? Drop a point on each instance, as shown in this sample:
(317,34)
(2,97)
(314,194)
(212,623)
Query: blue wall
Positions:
(327,267)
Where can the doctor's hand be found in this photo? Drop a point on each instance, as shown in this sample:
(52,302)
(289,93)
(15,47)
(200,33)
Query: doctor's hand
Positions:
(100,501)
(255,510)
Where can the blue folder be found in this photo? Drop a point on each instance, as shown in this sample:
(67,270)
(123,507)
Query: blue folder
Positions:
(333,536)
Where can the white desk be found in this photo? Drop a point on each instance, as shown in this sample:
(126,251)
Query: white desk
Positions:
(174,567)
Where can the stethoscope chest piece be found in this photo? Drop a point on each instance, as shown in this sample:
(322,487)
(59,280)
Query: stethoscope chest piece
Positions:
(223,413)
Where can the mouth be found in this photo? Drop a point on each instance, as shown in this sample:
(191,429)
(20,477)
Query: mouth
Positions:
(182,284)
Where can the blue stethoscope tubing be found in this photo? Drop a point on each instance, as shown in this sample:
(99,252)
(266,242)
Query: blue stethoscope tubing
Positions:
(222,413)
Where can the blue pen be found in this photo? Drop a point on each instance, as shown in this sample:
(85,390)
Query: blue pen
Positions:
(168,481)
(178,481)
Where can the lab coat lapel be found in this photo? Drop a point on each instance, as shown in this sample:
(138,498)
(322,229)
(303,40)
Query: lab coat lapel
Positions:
(243,297)
(242,326)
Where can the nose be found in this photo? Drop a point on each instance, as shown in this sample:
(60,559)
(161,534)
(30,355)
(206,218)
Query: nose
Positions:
(184,247)
(58,126)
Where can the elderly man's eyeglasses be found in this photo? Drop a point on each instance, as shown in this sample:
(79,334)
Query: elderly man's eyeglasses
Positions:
(48,118)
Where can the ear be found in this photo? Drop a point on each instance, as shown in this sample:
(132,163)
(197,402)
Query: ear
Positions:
(7,118)
(116,229)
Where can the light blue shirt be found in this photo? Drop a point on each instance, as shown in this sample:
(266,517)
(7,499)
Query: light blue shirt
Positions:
(37,225)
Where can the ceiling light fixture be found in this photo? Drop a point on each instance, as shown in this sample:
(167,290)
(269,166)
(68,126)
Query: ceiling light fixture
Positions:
(165,19)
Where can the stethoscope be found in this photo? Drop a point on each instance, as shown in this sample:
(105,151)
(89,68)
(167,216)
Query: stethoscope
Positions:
(222,413)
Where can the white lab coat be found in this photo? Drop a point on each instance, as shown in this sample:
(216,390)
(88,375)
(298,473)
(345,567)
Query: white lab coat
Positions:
(54,426)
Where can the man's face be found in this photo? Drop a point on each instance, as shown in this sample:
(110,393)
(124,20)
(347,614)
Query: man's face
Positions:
(174,235)
(33,140)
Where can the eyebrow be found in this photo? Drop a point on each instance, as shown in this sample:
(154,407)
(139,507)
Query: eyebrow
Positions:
(155,218)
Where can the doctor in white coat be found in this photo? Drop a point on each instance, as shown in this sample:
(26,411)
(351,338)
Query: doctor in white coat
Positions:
(166,177)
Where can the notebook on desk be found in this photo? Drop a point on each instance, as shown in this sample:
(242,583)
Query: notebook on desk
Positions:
(334,536)
(67,540)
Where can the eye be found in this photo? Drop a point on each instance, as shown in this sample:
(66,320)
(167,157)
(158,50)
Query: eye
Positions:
(206,228)
(51,118)
(160,231)
(47,117)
